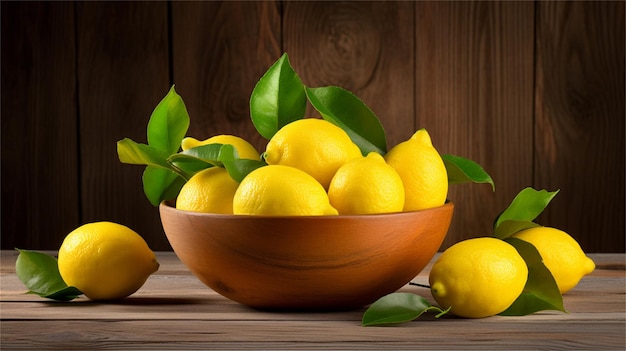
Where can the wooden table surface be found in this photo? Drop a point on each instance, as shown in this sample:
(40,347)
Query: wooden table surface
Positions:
(174,310)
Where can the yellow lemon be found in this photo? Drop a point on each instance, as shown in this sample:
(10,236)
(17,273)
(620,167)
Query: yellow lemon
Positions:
(422,171)
(210,190)
(277,190)
(366,185)
(244,148)
(561,254)
(478,277)
(312,145)
(105,260)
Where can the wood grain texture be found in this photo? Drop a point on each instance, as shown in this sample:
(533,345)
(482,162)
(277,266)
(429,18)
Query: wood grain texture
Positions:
(364,47)
(598,334)
(474,80)
(220,51)
(39,130)
(173,310)
(533,91)
(123,73)
(579,145)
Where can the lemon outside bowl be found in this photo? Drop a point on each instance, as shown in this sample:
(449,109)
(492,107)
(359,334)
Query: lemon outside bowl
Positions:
(306,263)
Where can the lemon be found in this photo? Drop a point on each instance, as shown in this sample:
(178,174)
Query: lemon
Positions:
(210,190)
(105,260)
(561,254)
(478,277)
(244,148)
(422,171)
(312,145)
(277,190)
(366,185)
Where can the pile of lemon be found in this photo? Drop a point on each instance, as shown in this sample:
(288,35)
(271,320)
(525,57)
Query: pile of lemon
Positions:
(482,277)
(313,169)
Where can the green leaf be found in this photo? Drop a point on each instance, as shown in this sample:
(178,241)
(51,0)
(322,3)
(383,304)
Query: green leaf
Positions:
(161,179)
(134,153)
(221,155)
(228,154)
(166,129)
(510,227)
(160,184)
(398,308)
(168,123)
(66,294)
(346,110)
(40,273)
(239,168)
(209,153)
(462,170)
(277,99)
(190,165)
(541,292)
(526,206)
(204,156)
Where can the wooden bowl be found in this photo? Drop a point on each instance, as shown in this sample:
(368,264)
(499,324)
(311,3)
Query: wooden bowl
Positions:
(306,263)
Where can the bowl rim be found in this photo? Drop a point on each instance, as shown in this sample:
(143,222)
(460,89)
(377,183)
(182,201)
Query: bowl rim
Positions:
(169,205)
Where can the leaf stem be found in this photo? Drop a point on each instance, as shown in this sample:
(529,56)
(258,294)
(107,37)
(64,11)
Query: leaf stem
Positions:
(179,171)
(420,285)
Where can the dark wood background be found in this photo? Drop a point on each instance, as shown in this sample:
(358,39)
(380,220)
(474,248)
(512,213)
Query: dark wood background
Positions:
(533,91)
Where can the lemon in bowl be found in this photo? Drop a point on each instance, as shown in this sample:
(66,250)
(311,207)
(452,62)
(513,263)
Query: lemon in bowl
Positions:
(281,190)
(313,145)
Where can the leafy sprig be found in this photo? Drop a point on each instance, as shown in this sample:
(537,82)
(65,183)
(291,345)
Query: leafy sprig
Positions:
(278,99)
(167,169)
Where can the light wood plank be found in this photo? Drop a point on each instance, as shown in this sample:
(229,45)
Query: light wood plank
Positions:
(605,285)
(174,310)
(488,334)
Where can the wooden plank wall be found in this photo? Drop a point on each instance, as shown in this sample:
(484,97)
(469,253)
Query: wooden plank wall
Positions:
(533,91)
